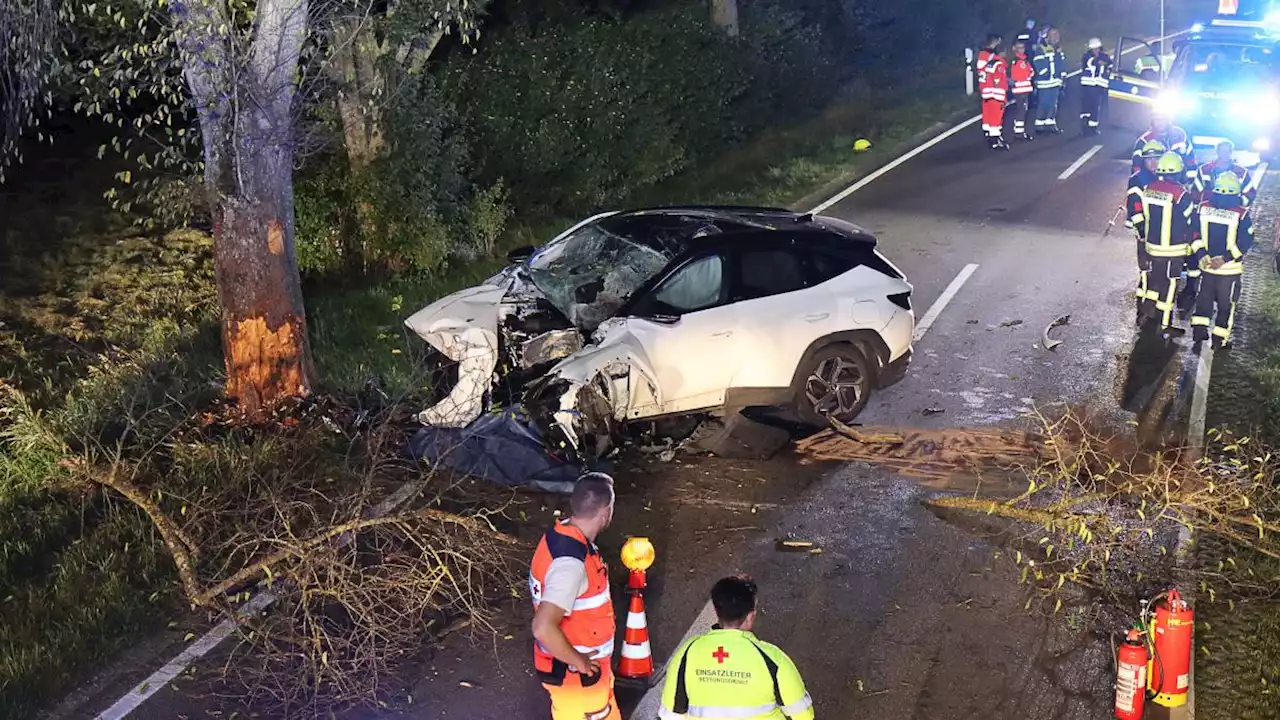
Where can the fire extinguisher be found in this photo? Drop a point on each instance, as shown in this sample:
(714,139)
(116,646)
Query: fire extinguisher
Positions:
(1169,676)
(1131,677)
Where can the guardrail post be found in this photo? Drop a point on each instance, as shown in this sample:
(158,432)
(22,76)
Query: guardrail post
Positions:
(968,71)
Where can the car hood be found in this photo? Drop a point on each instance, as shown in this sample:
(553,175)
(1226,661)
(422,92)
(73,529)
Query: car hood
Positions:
(444,322)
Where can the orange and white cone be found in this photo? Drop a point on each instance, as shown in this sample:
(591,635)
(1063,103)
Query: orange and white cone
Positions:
(637,658)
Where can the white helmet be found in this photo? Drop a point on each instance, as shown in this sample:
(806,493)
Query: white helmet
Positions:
(1095,44)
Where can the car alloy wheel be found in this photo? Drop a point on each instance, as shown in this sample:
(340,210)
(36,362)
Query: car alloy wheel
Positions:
(835,388)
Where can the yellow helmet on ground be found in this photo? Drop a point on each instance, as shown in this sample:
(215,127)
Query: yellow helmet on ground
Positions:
(1227,184)
(1170,164)
(1153,149)
(861,145)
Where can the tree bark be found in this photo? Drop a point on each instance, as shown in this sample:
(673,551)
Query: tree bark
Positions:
(724,14)
(245,107)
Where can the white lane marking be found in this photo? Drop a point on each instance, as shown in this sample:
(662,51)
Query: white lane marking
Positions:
(647,709)
(943,300)
(875,175)
(210,640)
(1204,372)
(1080,161)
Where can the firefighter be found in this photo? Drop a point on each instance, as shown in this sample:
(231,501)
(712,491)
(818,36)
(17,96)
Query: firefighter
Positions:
(1174,138)
(1165,232)
(729,672)
(1136,220)
(1223,162)
(1095,77)
(573,623)
(1224,234)
(993,81)
(1022,86)
(1051,72)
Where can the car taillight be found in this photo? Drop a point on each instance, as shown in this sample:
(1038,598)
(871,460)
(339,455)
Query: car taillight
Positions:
(902,299)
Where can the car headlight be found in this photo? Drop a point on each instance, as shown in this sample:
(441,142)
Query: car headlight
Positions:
(1174,104)
(1266,110)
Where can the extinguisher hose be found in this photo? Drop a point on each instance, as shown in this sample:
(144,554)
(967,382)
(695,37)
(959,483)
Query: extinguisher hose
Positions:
(1151,640)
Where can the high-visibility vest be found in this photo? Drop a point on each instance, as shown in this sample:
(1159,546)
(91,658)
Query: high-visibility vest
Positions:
(1050,67)
(589,624)
(993,76)
(733,674)
(1021,74)
(1225,233)
(1095,71)
(1167,209)
(1210,171)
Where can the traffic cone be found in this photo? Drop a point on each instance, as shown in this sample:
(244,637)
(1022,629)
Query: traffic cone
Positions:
(637,658)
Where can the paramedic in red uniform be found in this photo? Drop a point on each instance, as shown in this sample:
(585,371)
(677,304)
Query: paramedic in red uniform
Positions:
(993,81)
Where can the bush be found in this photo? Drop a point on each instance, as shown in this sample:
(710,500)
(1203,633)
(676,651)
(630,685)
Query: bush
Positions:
(412,209)
(576,114)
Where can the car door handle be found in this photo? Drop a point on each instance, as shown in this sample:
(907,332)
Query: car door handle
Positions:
(817,316)
(722,334)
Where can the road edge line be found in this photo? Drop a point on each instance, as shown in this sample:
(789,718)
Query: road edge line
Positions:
(1079,163)
(931,315)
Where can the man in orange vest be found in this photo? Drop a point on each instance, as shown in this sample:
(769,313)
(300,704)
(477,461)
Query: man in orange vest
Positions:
(573,623)
(993,81)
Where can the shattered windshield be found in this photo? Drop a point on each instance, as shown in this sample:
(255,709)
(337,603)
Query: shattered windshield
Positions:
(590,273)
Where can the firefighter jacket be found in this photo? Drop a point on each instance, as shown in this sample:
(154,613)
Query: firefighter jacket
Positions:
(1050,65)
(589,624)
(733,674)
(1225,232)
(1095,70)
(1175,139)
(1208,172)
(1134,216)
(1167,208)
(1021,75)
(993,76)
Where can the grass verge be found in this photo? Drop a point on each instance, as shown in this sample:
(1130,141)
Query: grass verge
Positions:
(100,323)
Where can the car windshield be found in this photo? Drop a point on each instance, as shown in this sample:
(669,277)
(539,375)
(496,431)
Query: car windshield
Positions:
(1222,64)
(590,273)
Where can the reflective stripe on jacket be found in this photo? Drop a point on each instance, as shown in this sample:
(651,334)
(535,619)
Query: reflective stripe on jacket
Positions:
(727,674)
(1050,65)
(1168,208)
(1210,171)
(1095,71)
(589,624)
(1222,232)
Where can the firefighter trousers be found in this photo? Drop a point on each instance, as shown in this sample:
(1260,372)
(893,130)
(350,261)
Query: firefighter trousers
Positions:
(1216,307)
(1047,109)
(993,118)
(1162,287)
(576,700)
(1021,109)
(1091,97)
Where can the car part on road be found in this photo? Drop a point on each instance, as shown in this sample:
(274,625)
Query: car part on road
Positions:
(791,543)
(1049,343)
(836,385)
(740,438)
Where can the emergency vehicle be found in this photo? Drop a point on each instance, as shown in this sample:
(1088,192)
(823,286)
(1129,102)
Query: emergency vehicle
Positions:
(1221,82)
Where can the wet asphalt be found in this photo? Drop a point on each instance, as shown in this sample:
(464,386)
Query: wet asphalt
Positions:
(902,615)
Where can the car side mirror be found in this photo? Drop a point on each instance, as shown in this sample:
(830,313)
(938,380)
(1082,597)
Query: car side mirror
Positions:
(520,254)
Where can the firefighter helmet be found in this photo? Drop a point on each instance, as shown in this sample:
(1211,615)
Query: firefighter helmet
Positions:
(1227,184)
(1095,44)
(1170,164)
(1153,149)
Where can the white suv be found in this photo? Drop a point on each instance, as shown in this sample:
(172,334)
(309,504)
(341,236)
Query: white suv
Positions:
(668,311)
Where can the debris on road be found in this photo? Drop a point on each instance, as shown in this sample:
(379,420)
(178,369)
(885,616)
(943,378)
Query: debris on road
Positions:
(792,544)
(740,438)
(1049,343)
(932,411)
(1011,323)
(921,452)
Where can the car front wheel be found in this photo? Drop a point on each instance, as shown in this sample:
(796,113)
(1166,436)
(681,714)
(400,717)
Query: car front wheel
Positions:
(835,383)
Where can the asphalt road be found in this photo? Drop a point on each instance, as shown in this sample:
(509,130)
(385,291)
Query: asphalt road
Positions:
(902,615)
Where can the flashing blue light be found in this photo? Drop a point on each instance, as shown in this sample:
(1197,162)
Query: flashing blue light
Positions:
(1197,28)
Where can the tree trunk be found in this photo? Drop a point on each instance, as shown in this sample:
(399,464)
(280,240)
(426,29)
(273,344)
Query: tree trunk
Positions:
(724,14)
(245,107)
(362,91)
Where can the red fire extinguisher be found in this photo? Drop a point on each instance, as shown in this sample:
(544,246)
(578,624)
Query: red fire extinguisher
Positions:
(1131,677)
(1170,674)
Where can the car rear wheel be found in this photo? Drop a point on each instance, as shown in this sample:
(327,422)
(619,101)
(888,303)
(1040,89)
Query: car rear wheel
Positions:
(835,383)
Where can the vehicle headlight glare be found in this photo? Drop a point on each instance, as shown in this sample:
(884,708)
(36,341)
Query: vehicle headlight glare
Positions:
(1173,104)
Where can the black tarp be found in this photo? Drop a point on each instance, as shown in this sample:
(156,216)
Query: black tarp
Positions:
(502,447)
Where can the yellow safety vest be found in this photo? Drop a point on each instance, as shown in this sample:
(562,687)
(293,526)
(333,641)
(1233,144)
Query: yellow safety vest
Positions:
(732,675)
(1160,210)
(1221,220)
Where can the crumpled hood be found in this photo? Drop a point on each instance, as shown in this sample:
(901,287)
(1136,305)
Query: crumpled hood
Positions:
(443,322)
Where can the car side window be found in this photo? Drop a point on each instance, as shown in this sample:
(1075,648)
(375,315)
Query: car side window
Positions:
(824,266)
(762,273)
(696,286)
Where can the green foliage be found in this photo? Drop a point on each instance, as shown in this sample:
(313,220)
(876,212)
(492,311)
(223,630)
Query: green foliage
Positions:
(576,115)
(413,209)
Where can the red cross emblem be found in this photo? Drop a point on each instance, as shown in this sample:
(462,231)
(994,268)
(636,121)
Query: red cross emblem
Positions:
(720,655)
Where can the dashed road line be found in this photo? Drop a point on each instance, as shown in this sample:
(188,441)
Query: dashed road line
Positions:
(1080,161)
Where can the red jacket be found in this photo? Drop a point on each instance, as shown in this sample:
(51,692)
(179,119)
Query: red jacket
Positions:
(993,76)
(1021,75)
